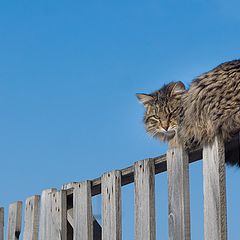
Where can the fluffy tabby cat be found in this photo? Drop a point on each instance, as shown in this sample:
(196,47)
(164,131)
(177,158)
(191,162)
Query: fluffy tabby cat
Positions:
(210,107)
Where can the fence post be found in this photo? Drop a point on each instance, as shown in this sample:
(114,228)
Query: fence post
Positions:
(97,229)
(31,218)
(144,198)
(82,211)
(111,206)
(53,216)
(178,193)
(214,188)
(1,223)
(14,220)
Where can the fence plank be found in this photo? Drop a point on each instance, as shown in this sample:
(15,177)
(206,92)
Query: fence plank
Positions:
(111,206)
(14,220)
(214,187)
(59,215)
(178,193)
(53,217)
(97,229)
(31,218)
(82,211)
(144,198)
(44,226)
(1,223)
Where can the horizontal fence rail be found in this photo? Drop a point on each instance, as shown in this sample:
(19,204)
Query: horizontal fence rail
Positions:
(66,214)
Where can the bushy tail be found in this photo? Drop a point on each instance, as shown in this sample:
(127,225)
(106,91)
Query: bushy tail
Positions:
(233,158)
(232,153)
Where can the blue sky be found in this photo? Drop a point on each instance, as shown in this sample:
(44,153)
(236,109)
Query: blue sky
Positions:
(69,72)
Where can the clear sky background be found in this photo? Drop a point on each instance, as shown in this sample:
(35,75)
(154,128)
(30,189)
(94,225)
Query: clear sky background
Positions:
(69,71)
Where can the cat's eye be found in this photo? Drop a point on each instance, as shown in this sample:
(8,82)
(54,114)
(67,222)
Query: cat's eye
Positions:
(152,119)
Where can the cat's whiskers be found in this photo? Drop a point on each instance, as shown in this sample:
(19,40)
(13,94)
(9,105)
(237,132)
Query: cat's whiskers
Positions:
(154,133)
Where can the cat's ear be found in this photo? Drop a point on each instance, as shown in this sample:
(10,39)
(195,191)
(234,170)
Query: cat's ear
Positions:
(177,88)
(144,98)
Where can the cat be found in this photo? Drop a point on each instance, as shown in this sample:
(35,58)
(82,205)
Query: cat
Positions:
(210,107)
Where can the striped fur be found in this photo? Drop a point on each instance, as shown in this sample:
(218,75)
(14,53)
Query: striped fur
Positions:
(210,107)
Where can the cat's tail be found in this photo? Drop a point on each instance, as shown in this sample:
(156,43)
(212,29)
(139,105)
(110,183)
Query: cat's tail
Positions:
(233,158)
(232,154)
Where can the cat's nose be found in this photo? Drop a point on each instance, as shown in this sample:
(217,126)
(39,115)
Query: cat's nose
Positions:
(165,127)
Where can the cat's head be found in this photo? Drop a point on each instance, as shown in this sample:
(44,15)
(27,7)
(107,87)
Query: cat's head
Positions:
(162,110)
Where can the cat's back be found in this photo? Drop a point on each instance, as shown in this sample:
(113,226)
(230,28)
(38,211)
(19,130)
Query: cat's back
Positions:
(223,79)
(223,73)
(212,103)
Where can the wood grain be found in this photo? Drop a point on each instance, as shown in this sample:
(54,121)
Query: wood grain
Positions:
(14,220)
(45,214)
(214,188)
(97,229)
(144,199)
(82,211)
(53,217)
(31,218)
(111,206)
(178,194)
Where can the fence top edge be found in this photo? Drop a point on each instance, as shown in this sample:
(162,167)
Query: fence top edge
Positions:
(160,162)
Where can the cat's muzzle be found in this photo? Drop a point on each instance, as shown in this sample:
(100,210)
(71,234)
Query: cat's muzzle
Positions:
(166,135)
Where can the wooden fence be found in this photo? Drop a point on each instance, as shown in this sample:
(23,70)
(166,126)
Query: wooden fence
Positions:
(66,214)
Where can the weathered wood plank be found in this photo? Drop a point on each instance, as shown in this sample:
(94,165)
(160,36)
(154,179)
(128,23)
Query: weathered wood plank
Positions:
(82,211)
(111,206)
(53,217)
(59,214)
(14,220)
(1,223)
(144,198)
(214,188)
(97,229)
(45,217)
(178,194)
(31,218)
